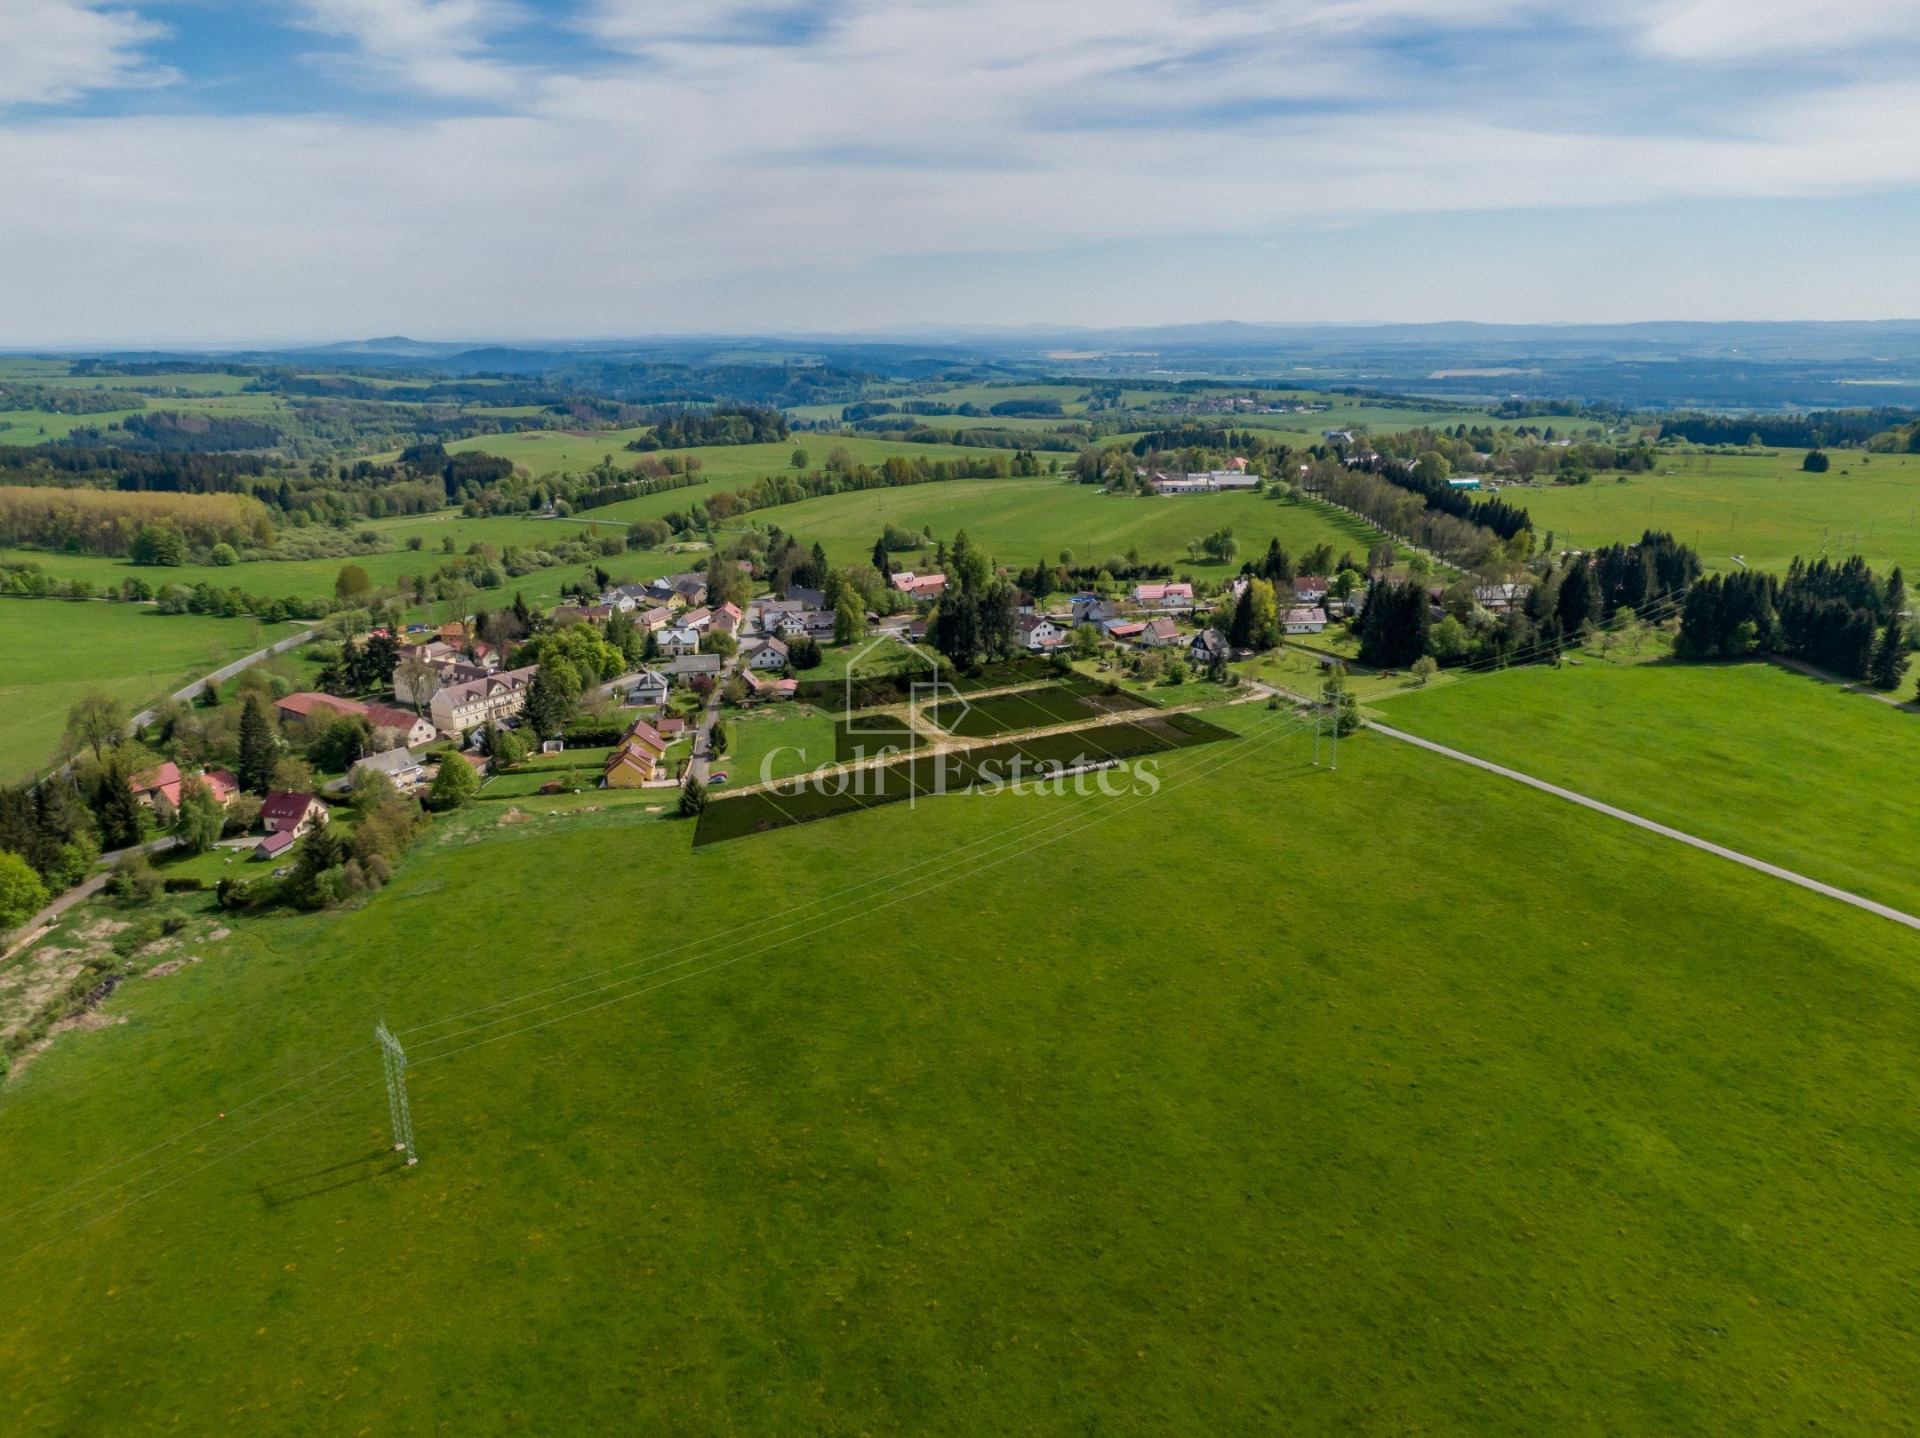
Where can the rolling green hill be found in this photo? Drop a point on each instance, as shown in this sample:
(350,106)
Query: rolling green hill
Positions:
(909,1122)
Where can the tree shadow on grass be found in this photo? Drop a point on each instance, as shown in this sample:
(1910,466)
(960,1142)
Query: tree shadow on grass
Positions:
(331,1179)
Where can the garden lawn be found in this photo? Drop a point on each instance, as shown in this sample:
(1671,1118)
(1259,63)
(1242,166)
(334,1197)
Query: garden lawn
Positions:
(1763,508)
(1759,758)
(53,651)
(1021,521)
(1595,1133)
(774,742)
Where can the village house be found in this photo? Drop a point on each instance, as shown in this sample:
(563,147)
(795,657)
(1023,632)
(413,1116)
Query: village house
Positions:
(678,640)
(652,621)
(1173,597)
(1038,633)
(288,813)
(727,620)
(406,769)
(767,654)
(1092,609)
(1305,621)
(697,619)
(639,759)
(1159,633)
(411,728)
(626,597)
(460,707)
(649,686)
(305,706)
(807,598)
(762,690)
(1125,631)
(1500,598)
(165,782)
(690,590)
(1309,588)
(919,586)
(689,666)
(1209,647)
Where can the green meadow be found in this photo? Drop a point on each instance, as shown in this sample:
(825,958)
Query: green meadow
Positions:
(1020,521)
(308,578)
(1785,768)
(1765,509)
(725,465)
(53,651)
(896,1123)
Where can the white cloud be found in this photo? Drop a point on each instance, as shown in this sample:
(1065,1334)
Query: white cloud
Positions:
(1711,30)
(52,51)
(439,46)
(811,145)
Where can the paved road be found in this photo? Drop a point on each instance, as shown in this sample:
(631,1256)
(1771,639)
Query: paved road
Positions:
(1581,799)
(83,890)
(699,764)
(221,676)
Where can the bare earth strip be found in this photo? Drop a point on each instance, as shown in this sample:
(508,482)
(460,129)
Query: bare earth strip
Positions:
(1883,910)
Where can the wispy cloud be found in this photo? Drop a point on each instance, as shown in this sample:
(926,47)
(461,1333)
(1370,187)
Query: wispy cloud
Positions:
(53,51)
(697,142)
(442,47)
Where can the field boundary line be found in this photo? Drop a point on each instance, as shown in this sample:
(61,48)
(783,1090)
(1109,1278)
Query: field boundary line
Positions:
(1679,835)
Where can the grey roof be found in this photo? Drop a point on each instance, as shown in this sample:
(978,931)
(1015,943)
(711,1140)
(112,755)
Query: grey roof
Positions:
(394,761)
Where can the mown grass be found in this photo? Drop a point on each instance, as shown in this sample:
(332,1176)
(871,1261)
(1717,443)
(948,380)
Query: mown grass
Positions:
(1753,756)
(1763,508)
(1336,1130)
(54,651)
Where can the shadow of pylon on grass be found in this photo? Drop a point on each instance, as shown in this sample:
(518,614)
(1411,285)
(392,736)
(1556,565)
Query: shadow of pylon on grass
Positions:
(312,1184)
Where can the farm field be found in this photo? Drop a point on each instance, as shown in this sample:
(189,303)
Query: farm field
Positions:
(1036,708)
(1764,760)
(307,578)
(1020,521)
(39,427)
(725,465)
(1764,509)
(889,1158)
(55,651)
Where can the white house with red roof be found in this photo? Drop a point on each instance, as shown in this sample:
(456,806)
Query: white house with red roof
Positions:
(289,813)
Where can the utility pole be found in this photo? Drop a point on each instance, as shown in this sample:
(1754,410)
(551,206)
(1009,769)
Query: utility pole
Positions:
(393,1059)
(1316,736)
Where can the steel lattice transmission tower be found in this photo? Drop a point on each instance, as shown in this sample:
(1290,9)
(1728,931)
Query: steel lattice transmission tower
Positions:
(393,1059)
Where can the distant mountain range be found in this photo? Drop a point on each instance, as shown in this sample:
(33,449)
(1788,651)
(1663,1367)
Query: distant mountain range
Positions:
(1661,364)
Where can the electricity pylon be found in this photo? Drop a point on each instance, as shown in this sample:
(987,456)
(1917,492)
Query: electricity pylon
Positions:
(393,1059)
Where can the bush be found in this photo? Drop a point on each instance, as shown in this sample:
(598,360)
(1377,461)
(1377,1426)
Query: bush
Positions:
(455,786)
(185,885)
(21,892)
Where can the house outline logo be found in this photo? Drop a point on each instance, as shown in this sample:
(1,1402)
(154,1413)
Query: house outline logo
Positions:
(922,694)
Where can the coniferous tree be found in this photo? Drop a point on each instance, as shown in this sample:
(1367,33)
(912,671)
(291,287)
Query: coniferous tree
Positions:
(121,820)
(1240,627)
(259,750)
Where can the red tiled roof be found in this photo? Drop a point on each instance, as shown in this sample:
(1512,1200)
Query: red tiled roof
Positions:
(280,804)
(305,704)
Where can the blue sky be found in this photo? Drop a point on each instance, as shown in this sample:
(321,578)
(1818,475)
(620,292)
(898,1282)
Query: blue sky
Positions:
(277,170)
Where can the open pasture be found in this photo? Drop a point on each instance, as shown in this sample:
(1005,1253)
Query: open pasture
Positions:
(309,578)
(54,651)
(1786,768)
(1022,521)
(1765,509)
(895,1122)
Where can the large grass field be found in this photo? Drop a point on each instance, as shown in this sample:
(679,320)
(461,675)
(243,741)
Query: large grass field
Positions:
(53,651)
(911,1122)
(1764,760)
(1763,508)
(1021,521)
(726,465)
(308,578)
